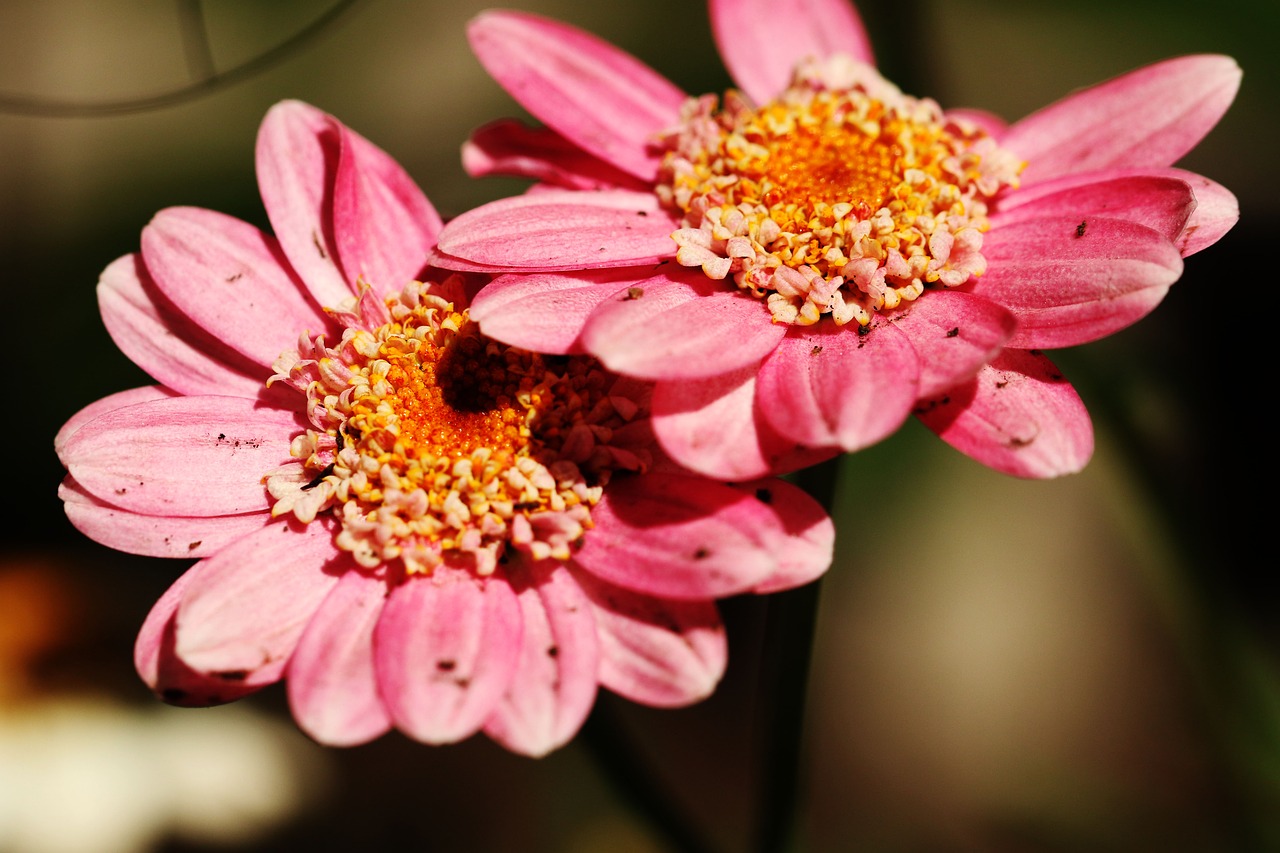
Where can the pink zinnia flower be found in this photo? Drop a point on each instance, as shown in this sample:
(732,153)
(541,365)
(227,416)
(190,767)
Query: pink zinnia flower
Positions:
(805,263)
(414,525)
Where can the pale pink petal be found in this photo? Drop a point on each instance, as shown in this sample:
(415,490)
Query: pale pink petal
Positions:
(656,651)
(231,280)
(988,122)
(244,610)
(297,159)
(713,427)
(1018,416)
(828,385)
(118,400)
(164,342)
(1163,204)
(761,41)
(953,333)
(554,684)
(562,229)
(383,225)
(1148,117)
(331,681)
(545,312)
(598,97)
(1214,213)
(679,536)
(511,148)
(807,541)
(192,456)
(680,325)
(1068,285)
(171,679)
(446,648)
(153,535)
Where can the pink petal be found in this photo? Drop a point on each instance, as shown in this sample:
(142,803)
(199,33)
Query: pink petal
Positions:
(164,342)
(835,386)
(1163,204)
(656,651)
(990,123)
(554,684)
(593,94)
(1018,416)
(246,607)
(1068,285)
(297,160)
(545,312)
(383,225)
(953,333)
(231,280)
(446,649)
(808,536)
(1148,117)
(508,147)
(331,680)
(680,325)
(678,536)
(182,456)
(712,427)
(562,229)
(171,679)
(761,41)
(152,535)
(118,400)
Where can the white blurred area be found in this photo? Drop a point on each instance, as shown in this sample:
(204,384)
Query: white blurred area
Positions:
(999,665)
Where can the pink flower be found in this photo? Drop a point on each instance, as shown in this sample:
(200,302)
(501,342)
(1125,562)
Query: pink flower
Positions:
(801,265)
(414,525)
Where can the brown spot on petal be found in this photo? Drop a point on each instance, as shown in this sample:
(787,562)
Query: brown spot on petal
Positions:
(191,546)
(233,675)
(701,554)
(953,332)
(446,665)
(635,292)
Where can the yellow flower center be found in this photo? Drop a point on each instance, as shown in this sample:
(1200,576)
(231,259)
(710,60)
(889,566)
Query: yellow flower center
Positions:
(436,443)
(843,197)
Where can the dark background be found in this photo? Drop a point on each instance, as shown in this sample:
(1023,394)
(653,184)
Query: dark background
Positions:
(999,665)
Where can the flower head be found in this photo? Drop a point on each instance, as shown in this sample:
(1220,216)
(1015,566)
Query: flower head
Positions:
(414,524)
(804,263)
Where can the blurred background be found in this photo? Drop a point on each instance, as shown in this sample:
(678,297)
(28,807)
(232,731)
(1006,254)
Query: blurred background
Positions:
(1088,664)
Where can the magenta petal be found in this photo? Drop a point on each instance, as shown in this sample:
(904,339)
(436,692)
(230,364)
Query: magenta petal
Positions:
(383,224)
(545,312)
(331,680)
(680,325)
(165,342)
(808,542)
(656,651)
(1163,204)
(151,535)
(828,385)
(761,41)
(954,334)
(171,679)
(101,406)
(231,280)
(554,684)
(1148,117)
(1018,416)
(712,427)
(193,456)
(679,536)
(244,610)
(590,92)
(1069,285)
(562,229)
(508,147)
(297,159)
(446,648)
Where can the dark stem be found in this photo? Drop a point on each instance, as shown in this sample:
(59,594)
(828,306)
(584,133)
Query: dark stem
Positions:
(791,621)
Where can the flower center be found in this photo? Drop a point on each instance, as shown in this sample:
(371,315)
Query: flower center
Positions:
(433,443)
(843,197)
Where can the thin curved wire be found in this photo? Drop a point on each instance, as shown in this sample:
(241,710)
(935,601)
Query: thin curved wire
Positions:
(199,61)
